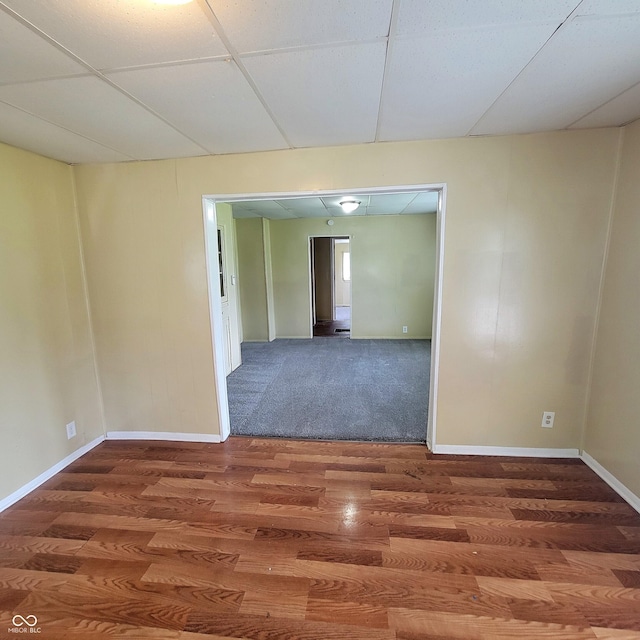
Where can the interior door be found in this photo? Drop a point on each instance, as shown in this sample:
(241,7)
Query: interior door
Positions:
(228,291)
(224,295)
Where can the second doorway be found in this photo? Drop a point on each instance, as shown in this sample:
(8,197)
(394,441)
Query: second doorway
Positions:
(331,286)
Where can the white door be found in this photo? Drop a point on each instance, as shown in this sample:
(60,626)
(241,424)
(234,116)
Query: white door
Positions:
(228,289)
(224,295)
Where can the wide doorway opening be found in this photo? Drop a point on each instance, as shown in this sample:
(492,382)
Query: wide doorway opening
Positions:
(303,271)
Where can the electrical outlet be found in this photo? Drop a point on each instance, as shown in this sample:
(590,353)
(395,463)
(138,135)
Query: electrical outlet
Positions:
(71,430)
(405,329)
(548,418)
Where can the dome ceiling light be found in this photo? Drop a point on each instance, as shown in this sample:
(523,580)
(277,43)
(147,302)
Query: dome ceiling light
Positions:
(349,205)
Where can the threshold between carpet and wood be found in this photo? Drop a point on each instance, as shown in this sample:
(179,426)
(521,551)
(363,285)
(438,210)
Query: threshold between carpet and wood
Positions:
(332,389)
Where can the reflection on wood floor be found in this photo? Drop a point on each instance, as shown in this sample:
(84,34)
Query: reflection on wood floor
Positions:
(284,539)
(340,327)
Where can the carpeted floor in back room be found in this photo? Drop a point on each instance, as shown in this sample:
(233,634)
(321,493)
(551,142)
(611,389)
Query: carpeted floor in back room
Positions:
(328,389)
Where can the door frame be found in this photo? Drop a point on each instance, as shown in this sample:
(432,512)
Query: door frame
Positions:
(334,305)
(213,285)
(215,315)
(313,312)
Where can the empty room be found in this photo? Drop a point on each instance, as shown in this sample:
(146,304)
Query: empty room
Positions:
(351,358)
(179,185)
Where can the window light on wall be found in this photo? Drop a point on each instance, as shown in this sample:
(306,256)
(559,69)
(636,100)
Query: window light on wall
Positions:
(346,266)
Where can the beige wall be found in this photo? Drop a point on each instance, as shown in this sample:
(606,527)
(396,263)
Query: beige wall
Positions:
(251,278)
(526,222)
(144,252)
(392,274)
(613,434)
(47,368)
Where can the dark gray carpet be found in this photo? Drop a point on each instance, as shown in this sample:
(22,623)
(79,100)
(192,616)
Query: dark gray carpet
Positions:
(332,389)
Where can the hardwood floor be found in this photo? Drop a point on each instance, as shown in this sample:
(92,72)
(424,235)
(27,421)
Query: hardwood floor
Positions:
(338,328)
(283,539)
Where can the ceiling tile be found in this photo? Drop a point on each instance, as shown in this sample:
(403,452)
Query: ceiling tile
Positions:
(329,206)
(389,203)
(28,132)
(608,8)
(120,34)
(428,77)
(26,56)
(623,109)
(262,205)
(417,17)
(304,207)
(425,202)
(242,213)
(261,208)
(258,25)
(210,102)
(323,96)
(583,65)
(91,108)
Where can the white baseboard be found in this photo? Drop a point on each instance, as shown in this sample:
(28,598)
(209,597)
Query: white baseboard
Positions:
(393,337)
(49,473)
(520,452)
(161,435)
(612,481)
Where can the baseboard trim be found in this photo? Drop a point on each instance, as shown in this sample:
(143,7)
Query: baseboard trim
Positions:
(622,490)
(519,452)
(20,493)
(161,435)
(394,337)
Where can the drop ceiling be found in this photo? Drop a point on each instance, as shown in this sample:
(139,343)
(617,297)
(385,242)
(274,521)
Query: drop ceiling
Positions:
(117,80)
(329,207)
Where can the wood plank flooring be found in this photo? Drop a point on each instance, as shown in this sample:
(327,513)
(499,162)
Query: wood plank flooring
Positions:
(300,540)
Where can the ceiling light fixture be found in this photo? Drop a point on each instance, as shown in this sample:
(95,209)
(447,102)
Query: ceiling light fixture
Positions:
(349,206)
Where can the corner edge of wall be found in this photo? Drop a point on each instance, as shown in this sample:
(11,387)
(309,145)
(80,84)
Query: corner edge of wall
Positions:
(26,489)
(622,490)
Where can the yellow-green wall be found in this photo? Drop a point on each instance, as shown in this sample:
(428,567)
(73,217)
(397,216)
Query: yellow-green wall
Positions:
(392,266)
(47,368)
(526,221)
(252,279)
(613,429)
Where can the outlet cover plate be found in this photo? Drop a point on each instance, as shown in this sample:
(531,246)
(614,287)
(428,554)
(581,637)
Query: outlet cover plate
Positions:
(547,419)
(71,430)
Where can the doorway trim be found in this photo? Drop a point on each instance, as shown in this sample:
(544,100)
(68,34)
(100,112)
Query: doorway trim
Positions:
(310,258)
(215,306)
(215,315)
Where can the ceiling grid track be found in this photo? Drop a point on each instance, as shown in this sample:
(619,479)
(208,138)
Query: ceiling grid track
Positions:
(93,72)
(395,8)
(559,29)
(119,81)
(235,56)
